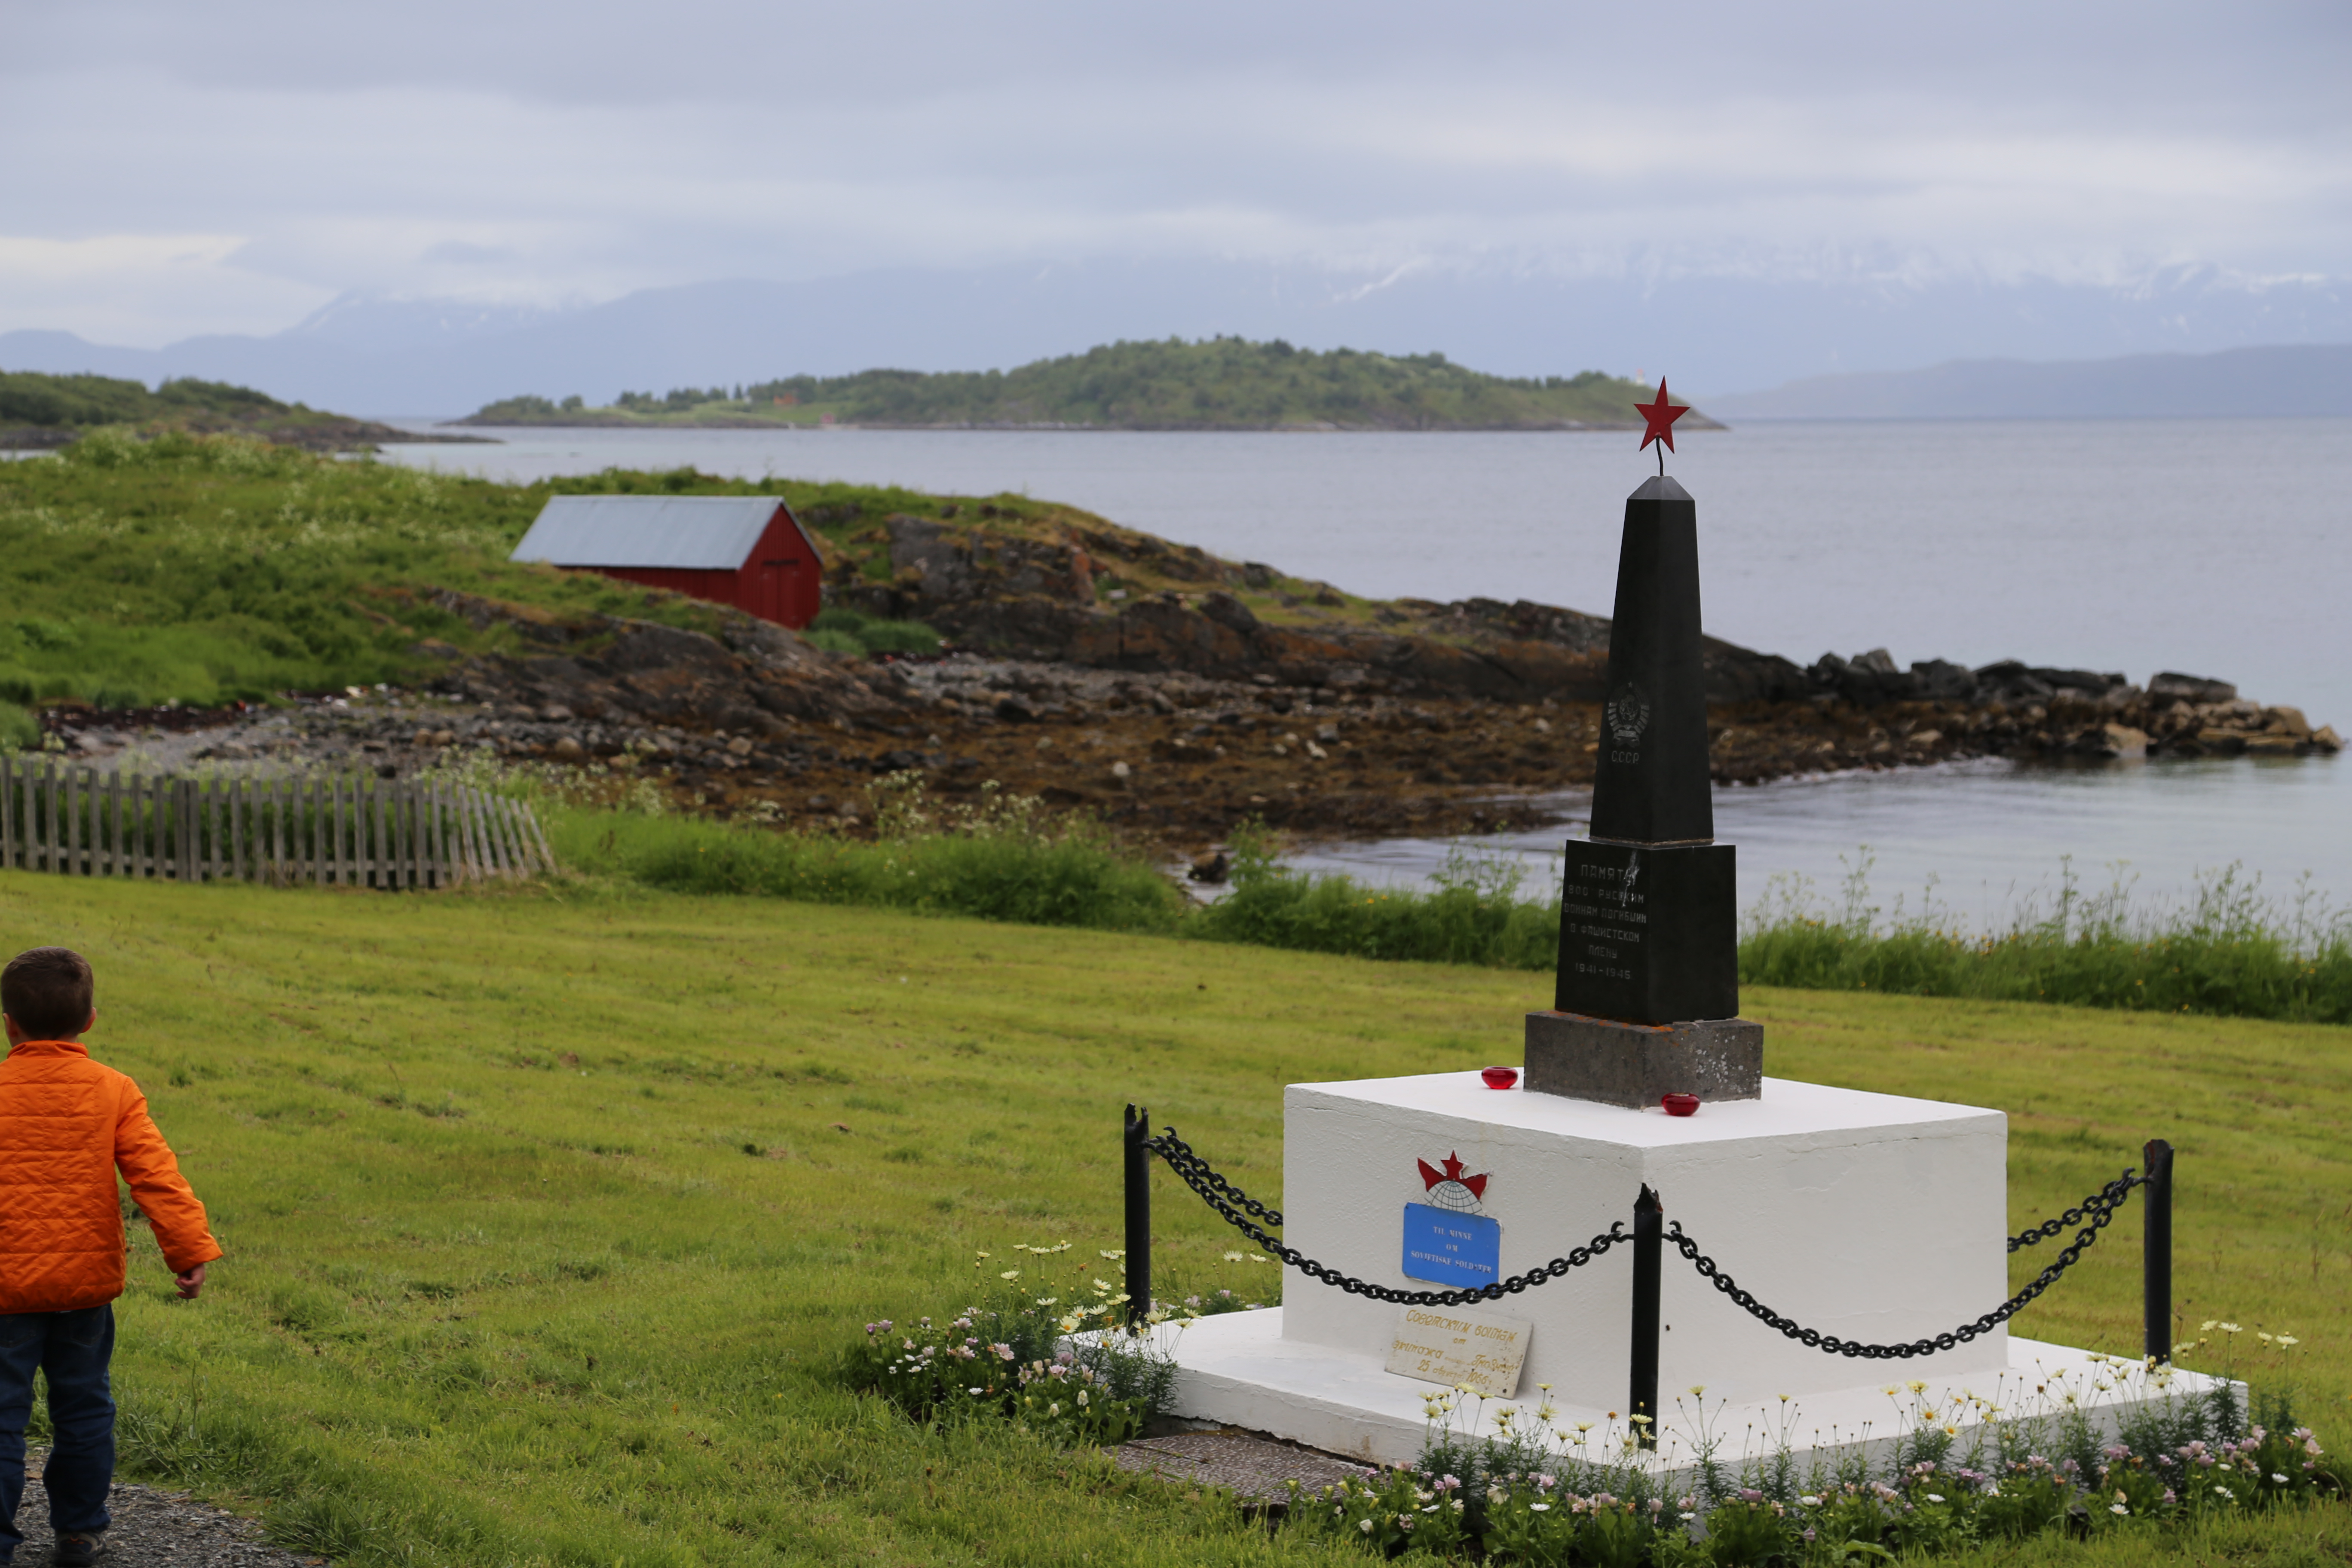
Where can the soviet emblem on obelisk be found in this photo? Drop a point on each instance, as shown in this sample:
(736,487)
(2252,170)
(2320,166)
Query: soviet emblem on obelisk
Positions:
(1648,992)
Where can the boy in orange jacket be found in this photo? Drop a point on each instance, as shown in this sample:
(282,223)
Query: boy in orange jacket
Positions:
(66,1125)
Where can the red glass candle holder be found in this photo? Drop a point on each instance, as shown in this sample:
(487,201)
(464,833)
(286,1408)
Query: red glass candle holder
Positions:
(1499,1077)
(1680,1104)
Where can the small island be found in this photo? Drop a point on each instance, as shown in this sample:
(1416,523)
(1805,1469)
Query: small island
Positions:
(40,412)
(1215,384)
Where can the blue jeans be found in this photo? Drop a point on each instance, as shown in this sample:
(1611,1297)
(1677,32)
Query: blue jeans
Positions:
(73,1349)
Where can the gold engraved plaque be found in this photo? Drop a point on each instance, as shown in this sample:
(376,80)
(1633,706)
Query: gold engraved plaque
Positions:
(1460,1347)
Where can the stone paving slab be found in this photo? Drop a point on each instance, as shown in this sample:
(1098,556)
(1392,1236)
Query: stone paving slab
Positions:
(1252,1465)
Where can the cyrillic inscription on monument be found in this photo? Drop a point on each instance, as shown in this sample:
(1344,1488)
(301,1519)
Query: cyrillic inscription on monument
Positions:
(1602,912)
(1648,932)
(1461,1345)
(1450,1247)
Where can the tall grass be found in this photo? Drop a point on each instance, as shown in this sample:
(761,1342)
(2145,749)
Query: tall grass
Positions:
(1005,858)
(1000,858)
(2230,949)
(1473,915)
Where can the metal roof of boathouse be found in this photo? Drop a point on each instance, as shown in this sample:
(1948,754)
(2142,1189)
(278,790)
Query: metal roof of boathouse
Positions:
(706,532)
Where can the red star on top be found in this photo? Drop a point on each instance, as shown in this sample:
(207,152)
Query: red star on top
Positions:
(1431,1175)
(1658,420)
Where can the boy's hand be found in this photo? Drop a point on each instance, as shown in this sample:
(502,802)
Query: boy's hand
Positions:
(190,1283)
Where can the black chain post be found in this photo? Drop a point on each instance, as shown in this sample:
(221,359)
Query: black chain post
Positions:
(2156,1263)
(1649,1233)
(1138,1215)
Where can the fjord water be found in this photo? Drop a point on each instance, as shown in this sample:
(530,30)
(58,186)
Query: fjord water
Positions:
(2218,548)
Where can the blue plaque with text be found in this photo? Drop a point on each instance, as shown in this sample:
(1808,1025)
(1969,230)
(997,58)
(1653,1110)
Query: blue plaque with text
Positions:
(1449,1248)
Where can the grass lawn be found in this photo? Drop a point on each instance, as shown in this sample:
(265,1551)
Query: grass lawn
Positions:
(504,1284)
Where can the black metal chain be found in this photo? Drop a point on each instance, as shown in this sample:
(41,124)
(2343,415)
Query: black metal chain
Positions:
(1199,1176)
(1242,1212)
(1237,1207)
(2105,1201)
(2101,1208)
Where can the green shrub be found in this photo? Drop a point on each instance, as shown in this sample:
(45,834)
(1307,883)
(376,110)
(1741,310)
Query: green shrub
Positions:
(1011,1356)
(841,630)
(899,636)
(831,641)
(839,618)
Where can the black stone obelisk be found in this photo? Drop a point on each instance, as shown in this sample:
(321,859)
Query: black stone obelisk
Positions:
(1647,998)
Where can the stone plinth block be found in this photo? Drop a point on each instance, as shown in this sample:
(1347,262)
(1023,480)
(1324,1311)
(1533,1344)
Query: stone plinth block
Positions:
(1635,1065)
(1868,1216)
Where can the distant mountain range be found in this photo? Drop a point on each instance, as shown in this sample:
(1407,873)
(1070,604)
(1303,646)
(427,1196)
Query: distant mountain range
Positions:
(2254,382)
(1707,334)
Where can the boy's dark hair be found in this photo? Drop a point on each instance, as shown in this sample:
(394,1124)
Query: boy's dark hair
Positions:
(46,990)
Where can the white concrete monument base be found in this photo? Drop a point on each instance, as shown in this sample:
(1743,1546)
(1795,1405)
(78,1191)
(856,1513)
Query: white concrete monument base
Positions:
(1869,1216)
(1238,1370)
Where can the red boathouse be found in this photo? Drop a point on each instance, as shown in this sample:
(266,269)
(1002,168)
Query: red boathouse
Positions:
(745,551)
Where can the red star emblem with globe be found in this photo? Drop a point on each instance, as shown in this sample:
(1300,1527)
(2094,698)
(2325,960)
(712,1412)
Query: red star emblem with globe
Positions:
(1449,1188)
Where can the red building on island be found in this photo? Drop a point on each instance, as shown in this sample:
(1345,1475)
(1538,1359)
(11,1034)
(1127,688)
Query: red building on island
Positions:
(745,551)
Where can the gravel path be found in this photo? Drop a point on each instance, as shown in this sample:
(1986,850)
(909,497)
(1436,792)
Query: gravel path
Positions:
(153,1529)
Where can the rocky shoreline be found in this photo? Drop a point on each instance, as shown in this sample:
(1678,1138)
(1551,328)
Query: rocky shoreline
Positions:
(1403,737)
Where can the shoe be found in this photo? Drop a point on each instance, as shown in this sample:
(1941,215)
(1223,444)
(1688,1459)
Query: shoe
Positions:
(77,1549)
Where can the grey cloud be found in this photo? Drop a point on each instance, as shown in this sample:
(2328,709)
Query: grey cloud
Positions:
(458,253)
(536,151)
(2255,59)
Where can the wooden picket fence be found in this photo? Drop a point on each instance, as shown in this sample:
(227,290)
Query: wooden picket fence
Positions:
(354,832)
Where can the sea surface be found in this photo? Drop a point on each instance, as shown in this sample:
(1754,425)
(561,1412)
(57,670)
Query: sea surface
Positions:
(2221,549)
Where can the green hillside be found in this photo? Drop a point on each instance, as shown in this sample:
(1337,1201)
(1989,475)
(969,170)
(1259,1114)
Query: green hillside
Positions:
(1219,383)
(201,569)
(38,410)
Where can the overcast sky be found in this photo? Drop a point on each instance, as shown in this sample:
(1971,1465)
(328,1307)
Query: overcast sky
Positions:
(175,168)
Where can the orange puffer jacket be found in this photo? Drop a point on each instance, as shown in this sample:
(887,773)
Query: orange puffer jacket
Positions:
(67,1123)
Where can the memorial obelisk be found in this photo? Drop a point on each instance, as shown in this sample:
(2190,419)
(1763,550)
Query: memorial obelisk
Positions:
(1647,999)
